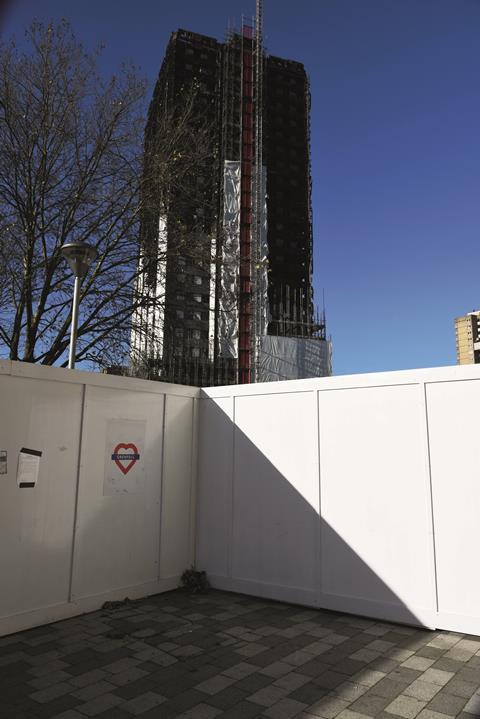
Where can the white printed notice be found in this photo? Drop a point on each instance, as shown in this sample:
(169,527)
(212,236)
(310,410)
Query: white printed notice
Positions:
(124,457)
(28,468)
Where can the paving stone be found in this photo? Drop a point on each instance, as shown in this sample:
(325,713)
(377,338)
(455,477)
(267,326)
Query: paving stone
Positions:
(399,655)
(388,688)
(473,705)
(52,692)
(405,706)
(444,641)
(309,693)
(430,652)
(317,648)
(298,658)
(314,668)
(215,684)
(420,663)
(474,662)
(459,655)
(99,704)
(143,703)
(469,642)
(335,638)
(403,674)
(461,688)
(349,667)
(49,667)
(350,691)
(292,681)
(328,706)
(227,698)
(447,703)
(57,706)
(330,680)
(241,670)
(140,686)
(182,702)
(368,677)
(251,650)
(370,704)
(449,665)
(268,696)
(93,690)
(83,680)
(127,677)
(468,675)
(349,714)
(365,655)
(201,711)
(436,676)
(253,683)
(121,665)
(380,645)
(49,680)
(284,709)
(422,690)
(276,670)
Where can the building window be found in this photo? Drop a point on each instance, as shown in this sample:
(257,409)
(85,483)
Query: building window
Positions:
(180,298)
(179,314)
(196,315)
(197,280)
(197,298)
(195,352)
(179,332)
(195,334)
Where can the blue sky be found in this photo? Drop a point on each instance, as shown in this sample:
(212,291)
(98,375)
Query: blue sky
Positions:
(395,151)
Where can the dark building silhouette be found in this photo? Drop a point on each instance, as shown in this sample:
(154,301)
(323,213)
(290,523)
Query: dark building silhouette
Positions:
(235,234)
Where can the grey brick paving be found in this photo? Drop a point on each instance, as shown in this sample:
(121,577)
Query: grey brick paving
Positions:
(234,657)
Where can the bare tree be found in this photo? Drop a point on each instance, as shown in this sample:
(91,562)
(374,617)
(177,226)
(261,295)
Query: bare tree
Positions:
(72,169)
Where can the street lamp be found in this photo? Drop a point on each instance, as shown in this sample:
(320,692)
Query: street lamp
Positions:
(79,256)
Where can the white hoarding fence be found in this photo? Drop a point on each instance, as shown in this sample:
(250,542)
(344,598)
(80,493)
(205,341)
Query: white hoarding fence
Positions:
(350,493)
(94,469)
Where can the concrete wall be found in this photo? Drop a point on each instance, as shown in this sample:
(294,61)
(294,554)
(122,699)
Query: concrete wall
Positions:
(357,493)
(88,533)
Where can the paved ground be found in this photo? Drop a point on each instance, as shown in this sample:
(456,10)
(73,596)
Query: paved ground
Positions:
(230,656)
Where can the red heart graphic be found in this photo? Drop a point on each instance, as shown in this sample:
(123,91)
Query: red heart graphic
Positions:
(118,462)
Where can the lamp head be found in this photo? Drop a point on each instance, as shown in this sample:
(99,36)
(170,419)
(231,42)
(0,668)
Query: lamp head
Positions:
(79,256)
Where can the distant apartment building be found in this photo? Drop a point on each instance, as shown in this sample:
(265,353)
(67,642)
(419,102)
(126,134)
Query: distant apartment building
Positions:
(251,309)
(467,337)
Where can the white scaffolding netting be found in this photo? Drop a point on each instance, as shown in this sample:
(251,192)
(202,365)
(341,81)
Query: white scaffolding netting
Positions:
(261,268)
(228,269)
(283,358)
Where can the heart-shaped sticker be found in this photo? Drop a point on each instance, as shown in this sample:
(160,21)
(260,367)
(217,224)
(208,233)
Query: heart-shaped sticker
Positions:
(126,456)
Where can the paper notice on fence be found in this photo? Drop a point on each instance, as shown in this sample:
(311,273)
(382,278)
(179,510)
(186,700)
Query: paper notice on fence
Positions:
(28,467)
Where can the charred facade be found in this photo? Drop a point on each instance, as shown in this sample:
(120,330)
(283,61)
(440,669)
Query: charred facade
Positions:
(230,238)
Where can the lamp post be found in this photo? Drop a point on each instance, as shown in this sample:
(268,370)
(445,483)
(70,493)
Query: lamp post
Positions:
(79,256)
